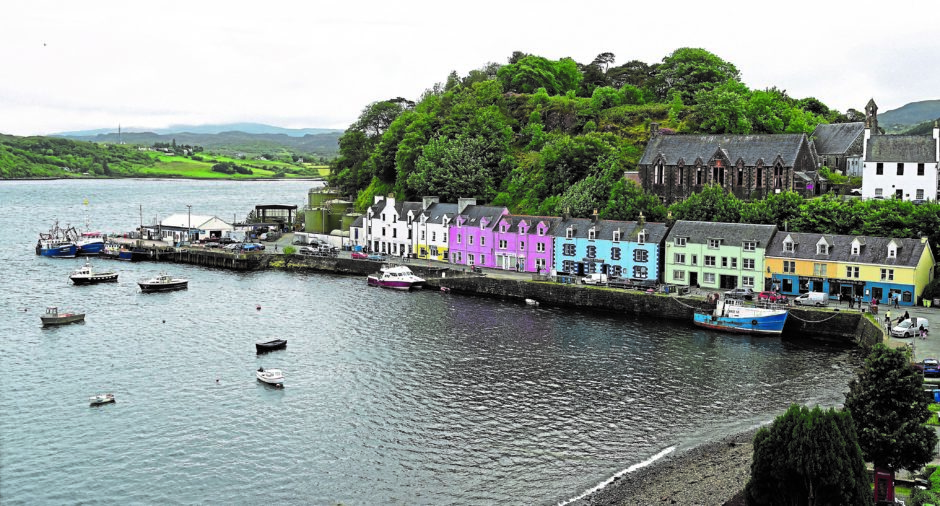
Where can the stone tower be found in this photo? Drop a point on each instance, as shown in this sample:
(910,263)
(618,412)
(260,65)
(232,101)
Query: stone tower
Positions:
(871,116)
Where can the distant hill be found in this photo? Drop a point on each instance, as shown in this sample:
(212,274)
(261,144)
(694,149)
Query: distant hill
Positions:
(908,115)
(248,128)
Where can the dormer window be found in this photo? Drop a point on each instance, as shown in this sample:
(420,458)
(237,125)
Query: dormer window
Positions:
(541,231)
(822,249)
(788,246)
(892,249)
(641,237)
(714,243)
(592,234)
(569,232)
(680,241)
(856,248)
(750,245)
(616,236)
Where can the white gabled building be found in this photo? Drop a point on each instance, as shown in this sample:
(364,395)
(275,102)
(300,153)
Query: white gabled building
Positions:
(174,228)
(905,167)
(387,226)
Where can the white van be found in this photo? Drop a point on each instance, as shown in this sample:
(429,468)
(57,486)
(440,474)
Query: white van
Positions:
(812,299)
(910,327)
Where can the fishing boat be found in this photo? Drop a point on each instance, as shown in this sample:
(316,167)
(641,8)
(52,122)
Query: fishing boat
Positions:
(87,275)
(117,252)
(98,400)
(54,317)
(733,315)
(163,283)
(270,376)
(90,243)
(274,344)
(58,242)
(397,277)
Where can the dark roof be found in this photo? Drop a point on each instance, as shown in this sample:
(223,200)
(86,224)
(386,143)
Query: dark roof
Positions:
(901,148)
(357,223)
(475,213)
(699,232)
(836,139)
(874,250)
(435,212)
(515,220)
(275,206)
(749,148)
(604,229)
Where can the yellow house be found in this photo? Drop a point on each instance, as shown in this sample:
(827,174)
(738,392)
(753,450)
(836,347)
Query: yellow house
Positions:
(873,268)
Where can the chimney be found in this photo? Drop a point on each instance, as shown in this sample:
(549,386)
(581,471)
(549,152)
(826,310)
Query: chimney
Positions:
(641,221)
(427,202)
(378,198)
(654,129)
(462,203)
(565,215)
(594,216)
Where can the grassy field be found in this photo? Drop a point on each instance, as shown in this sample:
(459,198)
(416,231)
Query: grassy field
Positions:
(180,166)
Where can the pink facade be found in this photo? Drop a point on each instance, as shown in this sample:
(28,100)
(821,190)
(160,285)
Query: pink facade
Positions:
(523,243)
(472,239)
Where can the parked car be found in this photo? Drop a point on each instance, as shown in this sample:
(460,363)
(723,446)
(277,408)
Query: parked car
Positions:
(376,257)
(740,293)
(812,299)
(596,278)
(252,246)
(777,298)
(910,327)
(931,367)
(359,255)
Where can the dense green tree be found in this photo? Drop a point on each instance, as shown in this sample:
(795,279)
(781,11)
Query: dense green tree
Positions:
(689,71)
(777,209)
(533,72)
(635,73)
(454,168)
(808,457)
(713,203)
(627,200)
(890,410)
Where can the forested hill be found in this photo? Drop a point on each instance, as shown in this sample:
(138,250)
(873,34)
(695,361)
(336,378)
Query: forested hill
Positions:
(543,136)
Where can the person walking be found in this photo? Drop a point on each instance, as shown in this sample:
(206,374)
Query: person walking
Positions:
(896,302)
(888,319)
(923,333)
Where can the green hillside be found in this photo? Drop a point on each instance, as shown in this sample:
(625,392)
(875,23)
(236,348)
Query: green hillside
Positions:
(897,120)
(543,136)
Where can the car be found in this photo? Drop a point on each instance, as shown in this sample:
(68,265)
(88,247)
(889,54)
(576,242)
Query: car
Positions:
(252,246)
(856,191)
(376,257)
(740,293)
(918,202)
(773,297)
(359,255)
(931,367)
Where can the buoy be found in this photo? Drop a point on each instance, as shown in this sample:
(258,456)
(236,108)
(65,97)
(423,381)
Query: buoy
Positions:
(164,321)
(258,307)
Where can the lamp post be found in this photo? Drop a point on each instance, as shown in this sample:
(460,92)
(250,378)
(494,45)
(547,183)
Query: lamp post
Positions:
(189,224)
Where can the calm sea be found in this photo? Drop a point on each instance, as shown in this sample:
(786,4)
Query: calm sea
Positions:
(390,398)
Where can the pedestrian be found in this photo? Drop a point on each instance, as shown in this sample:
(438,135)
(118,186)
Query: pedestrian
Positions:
(923,333)
(896,302)
(851,302)
(906,316)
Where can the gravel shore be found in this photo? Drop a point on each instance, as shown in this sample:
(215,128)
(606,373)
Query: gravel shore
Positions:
(710,474)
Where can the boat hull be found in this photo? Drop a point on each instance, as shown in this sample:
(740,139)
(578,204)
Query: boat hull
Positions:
(49,321)
(394,285)
(162,287)
(64,251)
(94,279)
(90,248)
(758,325)
(276,344)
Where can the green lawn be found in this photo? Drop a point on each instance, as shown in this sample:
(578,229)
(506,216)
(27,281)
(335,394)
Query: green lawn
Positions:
(181,166)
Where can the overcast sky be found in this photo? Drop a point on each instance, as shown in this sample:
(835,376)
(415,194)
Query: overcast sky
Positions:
(72,64)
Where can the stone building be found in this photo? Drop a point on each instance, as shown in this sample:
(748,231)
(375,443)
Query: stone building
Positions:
(839,146)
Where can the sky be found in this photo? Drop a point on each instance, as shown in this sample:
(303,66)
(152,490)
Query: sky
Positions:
(73,65)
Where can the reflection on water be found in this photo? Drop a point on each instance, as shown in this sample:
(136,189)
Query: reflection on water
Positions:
(419,398)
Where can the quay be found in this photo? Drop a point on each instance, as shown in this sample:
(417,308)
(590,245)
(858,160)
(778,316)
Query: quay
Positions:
(838,325)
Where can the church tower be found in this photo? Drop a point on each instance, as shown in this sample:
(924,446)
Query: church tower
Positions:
(871,116)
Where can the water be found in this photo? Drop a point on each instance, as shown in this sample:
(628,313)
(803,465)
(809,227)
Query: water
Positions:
(409,398)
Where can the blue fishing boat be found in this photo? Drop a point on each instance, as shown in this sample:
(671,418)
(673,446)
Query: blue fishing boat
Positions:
(733,316)
(90,243)
(58,242)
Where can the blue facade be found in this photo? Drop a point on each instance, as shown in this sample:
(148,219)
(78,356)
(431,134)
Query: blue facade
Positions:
(622,249)
(883,292)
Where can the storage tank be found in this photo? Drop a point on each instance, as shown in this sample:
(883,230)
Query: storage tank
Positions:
(317,221)
(338,209)
(316,197)
(348,220)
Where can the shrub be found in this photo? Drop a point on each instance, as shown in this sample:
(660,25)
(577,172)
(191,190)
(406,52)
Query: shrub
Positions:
(289,250)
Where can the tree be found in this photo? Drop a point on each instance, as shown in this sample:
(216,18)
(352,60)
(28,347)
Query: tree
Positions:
(691,70)
(808,456)
(890,411)
(533,72)
(724,109)
(713,203)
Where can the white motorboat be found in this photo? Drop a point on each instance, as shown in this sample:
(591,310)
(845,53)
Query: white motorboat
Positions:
(397,277)
(86,275)
(162,283)
(97,400)
(270,376)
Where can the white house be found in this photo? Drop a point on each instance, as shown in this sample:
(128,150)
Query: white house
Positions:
(388,226)
(432,227)
(174,228)
(899,166)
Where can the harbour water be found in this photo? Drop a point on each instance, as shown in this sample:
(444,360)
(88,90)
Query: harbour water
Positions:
(408,398)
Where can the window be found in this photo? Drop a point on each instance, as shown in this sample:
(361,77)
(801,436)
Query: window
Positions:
(708,278)
(879,168)
(747,281)
(822,249)
(458,238)
(748,264)
(470,240)
(568,250)
(678,258)
(540,264)
(920,169)
(641,238)
(615,270)
(879,192)
(855,249)
(709,261)
(640,255)
(616,236)
(724,262)
(851,272)
(541,231)
(483,259)
(640,272)
(694,259)
(680,241)
(819,270)
(469,258)
(569,233)
(892,252)
(615,253)
(887,274)
(750,245)
(503,244)
(482,240)
(567,266)
(788,246)
(394,232)
(521,245)
(900,169)
(678,275)
(383,231)
(920,194)
(714,243)
(445,237)
(789,266)
(592,251)
(422,235)
(434,236)
(540,247)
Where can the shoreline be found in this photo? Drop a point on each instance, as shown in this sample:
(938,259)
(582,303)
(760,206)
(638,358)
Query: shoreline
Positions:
(712,473)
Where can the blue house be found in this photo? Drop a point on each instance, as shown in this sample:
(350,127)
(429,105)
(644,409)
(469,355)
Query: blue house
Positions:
(626,249)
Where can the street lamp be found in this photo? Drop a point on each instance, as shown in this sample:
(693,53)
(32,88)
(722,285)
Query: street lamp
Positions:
(189,224)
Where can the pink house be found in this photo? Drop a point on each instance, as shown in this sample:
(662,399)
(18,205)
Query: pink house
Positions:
(523,243)
(472,239)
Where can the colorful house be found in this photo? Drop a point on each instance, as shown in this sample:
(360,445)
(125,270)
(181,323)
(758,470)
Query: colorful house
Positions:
(432,229)
(627,249)
(523,243)
(843,265)
(388,226)
(471,239)
(717,256)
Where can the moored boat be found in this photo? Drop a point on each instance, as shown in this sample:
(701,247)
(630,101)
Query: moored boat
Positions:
(270,376)
(58,242)
(54,317)
(97,400)
(274,344)
(163,283)
(90,243)
(733,316)
(396,277)
(87,275)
